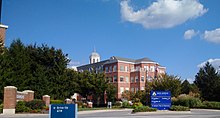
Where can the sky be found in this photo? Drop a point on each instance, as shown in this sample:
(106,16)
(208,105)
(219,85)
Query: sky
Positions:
(179,34)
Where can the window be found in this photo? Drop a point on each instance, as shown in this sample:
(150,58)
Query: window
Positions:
(122,68)
(132,79)
(142,88)
(137,89)
(121,78)
(115,68)
(142,78)
(110,69)
(152,69)
(127,89)
(136,78)
(132,69)
(93,60)
(106,69)
(115,79)
(126,69)
(146,68)
(121,90)
(137,68)
(132,89)
(127,79)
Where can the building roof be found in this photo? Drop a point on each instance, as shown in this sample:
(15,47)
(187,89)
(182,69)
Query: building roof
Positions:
(132,60)
(93,65)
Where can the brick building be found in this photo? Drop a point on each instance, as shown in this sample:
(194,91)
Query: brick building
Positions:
(124,73)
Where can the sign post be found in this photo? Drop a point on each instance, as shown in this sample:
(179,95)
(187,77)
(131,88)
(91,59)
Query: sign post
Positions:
(160,100)
(63,111)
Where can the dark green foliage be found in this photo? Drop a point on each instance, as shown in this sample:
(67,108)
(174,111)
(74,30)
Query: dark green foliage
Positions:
(211,105)
(143,109)
(21,107)
(208,82)
(187,101)
(43,69)
(179,108)
(185,87)
(56,102)
(1,108)
(111,91)
(35,104)
(118,104)
(1,101)
(38,68)
(126,104)
(166,83)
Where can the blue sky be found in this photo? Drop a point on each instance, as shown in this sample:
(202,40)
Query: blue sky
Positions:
(180,35)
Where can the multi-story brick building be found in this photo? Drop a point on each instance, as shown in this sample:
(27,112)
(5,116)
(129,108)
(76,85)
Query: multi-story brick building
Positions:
(124,73)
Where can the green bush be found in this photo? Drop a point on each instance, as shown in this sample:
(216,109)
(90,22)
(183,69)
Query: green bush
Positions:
(118,104)
(126,104)
(1,108)
(56,102)
(187,101)
(179,108)
(20,107)
(35,104)
(1,101)
(143,109)
(137,104)
(211,105)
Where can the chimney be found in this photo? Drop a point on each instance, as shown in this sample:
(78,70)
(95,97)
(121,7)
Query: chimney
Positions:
(2,32)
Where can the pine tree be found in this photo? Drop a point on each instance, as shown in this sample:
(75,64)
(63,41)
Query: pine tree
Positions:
(208,82)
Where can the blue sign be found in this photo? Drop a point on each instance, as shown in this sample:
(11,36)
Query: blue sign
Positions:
(160,100)
(63,111)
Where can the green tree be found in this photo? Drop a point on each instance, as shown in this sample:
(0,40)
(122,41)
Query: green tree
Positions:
(208,82)
(167,82)
(185,87)
(111,91)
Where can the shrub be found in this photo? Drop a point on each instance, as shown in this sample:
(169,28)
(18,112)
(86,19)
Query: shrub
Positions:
(179,108)
(211,105)
(143,109)
(20,107)
(187,101)
(1,101)
(126,104)
(35,104)
(137,104)
(56,102)
(1,108)
(118,104)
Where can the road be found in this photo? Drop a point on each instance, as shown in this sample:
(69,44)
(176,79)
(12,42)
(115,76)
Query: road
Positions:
(195,113)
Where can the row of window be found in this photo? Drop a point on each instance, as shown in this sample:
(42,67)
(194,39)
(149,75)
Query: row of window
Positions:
(122,89)
(126,68)
(126,79)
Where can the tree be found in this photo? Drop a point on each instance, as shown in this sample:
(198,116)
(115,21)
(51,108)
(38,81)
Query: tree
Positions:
(208,82)
(185,87)
(38,68)
(110,92)
(166,83)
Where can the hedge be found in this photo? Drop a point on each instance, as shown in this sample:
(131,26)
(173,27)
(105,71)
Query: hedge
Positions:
(21,107)
(1,108)
(144,109)
(179,108)
(56,102)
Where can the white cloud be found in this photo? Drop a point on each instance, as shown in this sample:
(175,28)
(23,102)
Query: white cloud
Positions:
(215,63)
(189,34)
(163,13)
(212,36)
